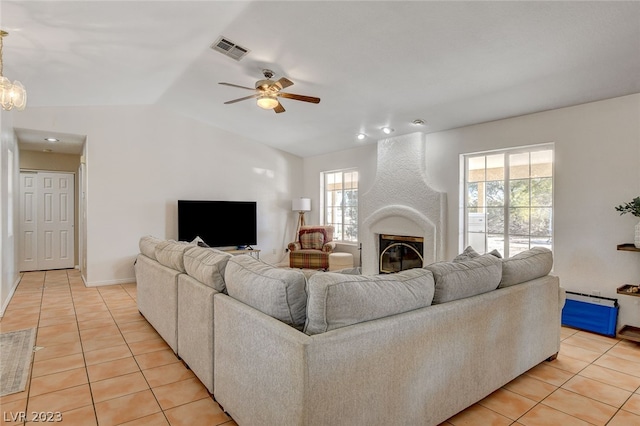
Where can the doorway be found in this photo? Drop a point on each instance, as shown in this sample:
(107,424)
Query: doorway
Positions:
(47,221)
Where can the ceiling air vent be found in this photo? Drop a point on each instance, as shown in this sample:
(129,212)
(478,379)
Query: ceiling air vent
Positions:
(229,48)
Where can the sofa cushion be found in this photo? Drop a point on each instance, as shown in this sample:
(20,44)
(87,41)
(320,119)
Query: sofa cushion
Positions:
(277,292)
(170,254)
(207,265)
(338,300)
(525,266)
(148,245)
(456,280)
(312,240)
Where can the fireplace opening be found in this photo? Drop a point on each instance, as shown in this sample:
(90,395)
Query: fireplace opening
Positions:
(399,253)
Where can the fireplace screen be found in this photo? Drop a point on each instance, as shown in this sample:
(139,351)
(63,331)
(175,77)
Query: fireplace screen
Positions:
(399,252)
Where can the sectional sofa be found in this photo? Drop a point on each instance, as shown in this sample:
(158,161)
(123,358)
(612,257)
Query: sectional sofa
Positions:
(277,348)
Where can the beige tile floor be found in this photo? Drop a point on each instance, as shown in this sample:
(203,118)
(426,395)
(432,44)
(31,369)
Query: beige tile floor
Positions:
(99,362)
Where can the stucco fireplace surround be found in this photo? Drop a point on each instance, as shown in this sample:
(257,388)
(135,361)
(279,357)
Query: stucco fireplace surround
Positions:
(401,202)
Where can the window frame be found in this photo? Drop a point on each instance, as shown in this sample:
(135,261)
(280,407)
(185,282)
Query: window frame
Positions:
(464,191)
(339,235)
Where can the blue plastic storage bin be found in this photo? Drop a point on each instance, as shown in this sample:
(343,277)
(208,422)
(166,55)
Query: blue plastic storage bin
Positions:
(591,313)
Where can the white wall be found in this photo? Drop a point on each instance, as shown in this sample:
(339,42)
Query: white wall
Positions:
(597,152)
(363,158)
(8,176)
(141,160)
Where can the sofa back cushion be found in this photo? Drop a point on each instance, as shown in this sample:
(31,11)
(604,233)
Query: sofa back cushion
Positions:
(207,265)
(170,254)
(338,300)
(277,292)
(456,280)
(525,266)
(148,245)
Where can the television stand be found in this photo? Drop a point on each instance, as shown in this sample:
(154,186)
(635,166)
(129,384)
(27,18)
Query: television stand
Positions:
(250,251)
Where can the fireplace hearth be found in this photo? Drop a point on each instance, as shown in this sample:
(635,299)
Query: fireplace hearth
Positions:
(399,253)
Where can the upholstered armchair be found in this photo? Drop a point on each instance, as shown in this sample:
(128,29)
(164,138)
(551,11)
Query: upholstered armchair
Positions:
(312,248)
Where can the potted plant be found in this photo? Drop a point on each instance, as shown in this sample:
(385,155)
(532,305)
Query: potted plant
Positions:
(632,207)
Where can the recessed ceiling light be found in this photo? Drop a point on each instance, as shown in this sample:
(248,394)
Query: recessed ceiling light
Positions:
(361,136)
(52,140)
(387,130)
(419,122)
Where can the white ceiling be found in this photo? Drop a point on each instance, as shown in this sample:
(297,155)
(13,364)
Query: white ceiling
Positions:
(373,63)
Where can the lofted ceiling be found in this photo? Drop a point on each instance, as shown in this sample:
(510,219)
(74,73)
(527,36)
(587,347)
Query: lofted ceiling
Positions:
(373,63)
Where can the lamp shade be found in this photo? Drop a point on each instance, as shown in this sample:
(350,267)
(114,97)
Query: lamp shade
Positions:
(267,102)
(301,204)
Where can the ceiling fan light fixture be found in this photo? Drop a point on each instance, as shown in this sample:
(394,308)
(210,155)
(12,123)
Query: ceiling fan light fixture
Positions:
(267,102)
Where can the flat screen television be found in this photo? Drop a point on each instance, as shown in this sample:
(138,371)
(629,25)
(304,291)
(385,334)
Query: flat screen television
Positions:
(218,223)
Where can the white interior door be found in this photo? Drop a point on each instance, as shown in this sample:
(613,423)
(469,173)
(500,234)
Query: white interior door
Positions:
(48,241)
(28,237)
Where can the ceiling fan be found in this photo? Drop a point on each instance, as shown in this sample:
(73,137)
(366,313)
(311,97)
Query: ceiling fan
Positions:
(268,91)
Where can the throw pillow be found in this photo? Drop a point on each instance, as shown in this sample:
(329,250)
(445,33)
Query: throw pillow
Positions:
(279,293)
(338,300)
(468,254)
(528,265)
(495,253)
(207,265)
(457,280)
(312,239)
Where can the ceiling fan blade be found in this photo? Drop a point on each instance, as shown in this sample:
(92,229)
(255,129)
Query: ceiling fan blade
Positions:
(255,95)
(299,97)
(235,85)
(279,108)
(284,83)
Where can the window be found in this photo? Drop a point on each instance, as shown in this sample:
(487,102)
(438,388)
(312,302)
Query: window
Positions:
(340,189)
(508,203)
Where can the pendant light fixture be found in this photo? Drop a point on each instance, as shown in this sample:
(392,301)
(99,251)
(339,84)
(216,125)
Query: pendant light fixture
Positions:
(12,95)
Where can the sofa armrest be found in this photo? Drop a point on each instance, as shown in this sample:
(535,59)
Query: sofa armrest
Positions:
(329,247)
(157,289)
(256,355)
(294,246)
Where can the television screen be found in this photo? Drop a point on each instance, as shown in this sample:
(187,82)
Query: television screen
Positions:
(218,223)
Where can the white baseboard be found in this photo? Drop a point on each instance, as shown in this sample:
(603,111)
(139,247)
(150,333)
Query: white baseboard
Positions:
(109,282)
(13,290)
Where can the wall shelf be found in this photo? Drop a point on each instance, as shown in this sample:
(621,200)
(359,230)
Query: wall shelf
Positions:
(628,332)
(628,247)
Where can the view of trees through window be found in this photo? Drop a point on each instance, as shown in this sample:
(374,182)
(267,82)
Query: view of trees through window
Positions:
(341,203)
(509,200)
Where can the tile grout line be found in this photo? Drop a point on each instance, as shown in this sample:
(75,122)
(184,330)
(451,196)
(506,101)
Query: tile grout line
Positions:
(84,359)
(133,356)
(33,359)
(618,409)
